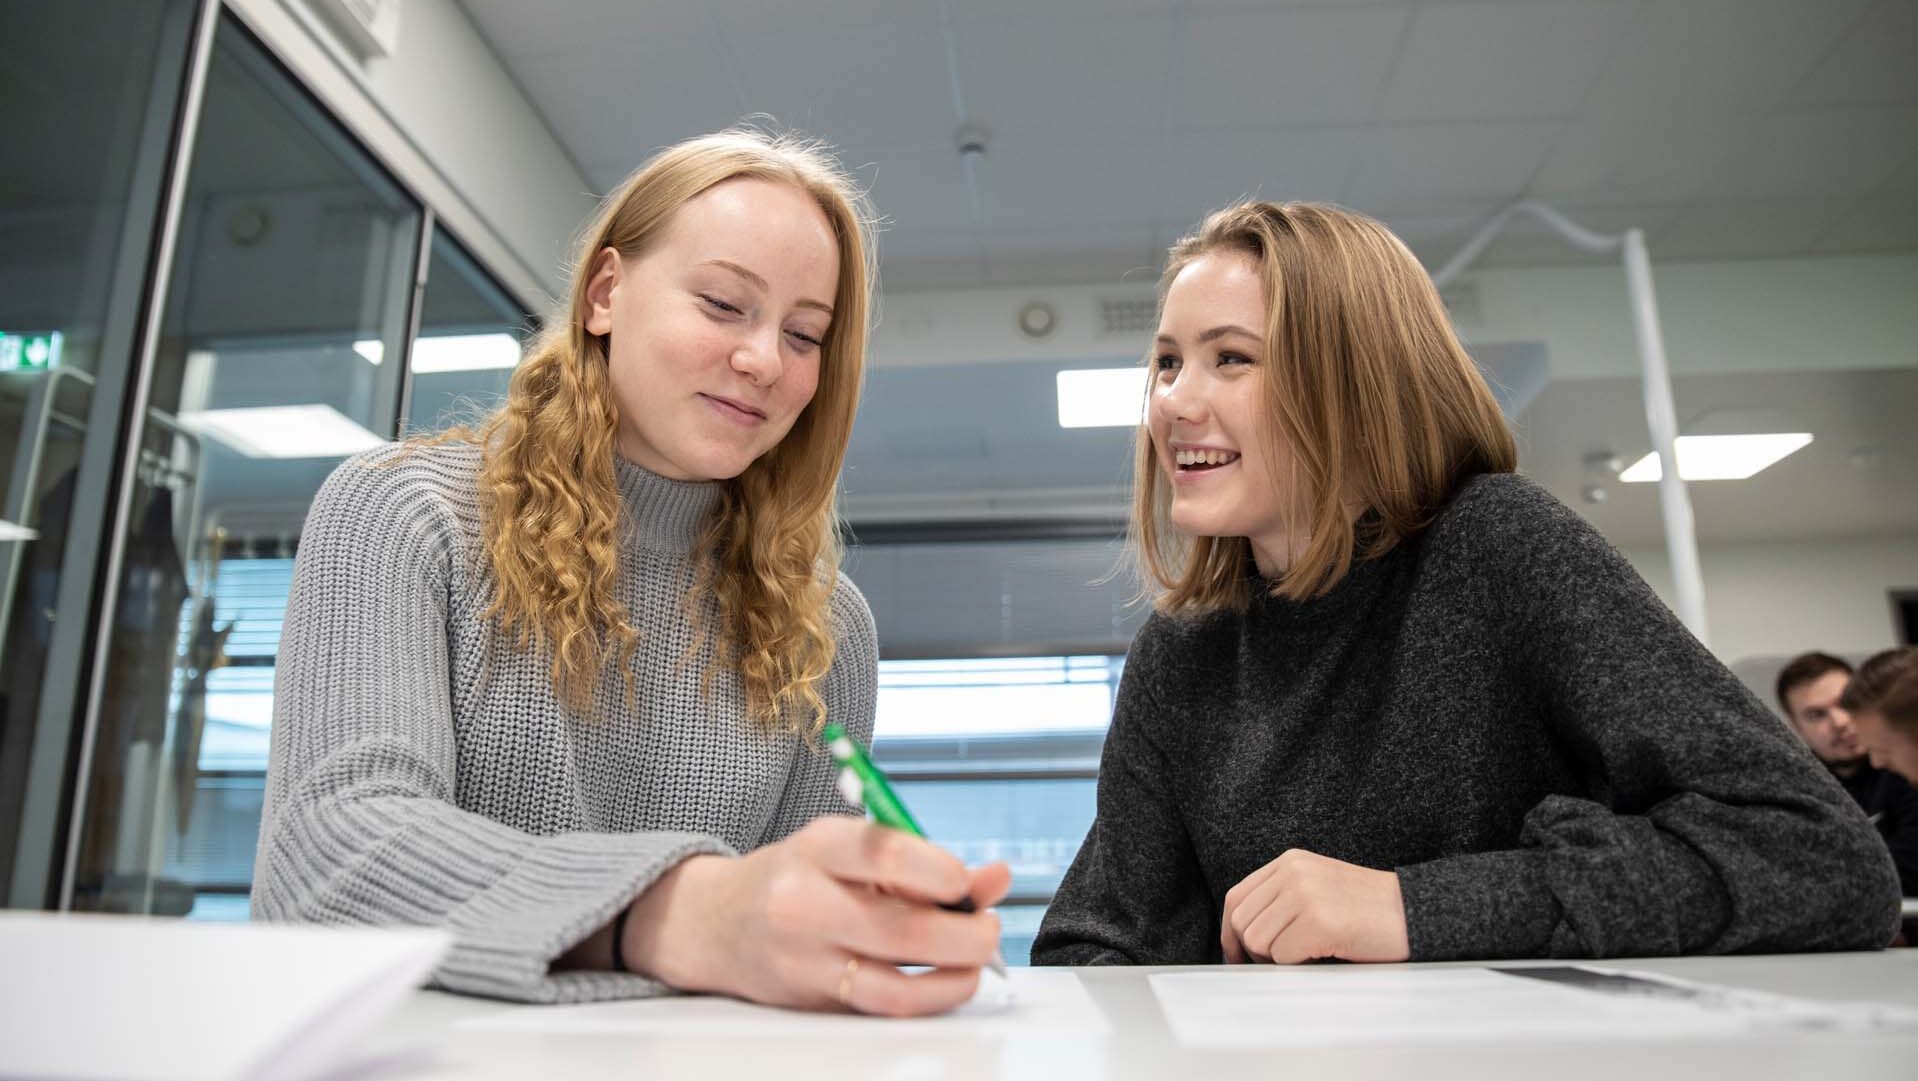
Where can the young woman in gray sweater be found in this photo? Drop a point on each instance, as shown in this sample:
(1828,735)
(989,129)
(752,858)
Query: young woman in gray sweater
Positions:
(1397,702)
(543,682)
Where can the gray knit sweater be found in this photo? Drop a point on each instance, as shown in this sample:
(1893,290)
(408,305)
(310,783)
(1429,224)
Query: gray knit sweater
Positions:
(422,771)
(1503,713)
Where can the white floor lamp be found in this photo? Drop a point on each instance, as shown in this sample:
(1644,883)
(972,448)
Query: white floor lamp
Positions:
(1681,538)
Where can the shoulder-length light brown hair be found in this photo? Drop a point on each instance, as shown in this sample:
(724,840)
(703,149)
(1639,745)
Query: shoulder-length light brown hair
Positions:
(770,552)
(1365,386)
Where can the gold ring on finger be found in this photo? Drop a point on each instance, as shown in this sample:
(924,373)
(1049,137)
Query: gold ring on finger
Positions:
(845,982)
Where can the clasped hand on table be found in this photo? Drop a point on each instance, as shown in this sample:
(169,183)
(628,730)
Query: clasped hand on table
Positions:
(1307,907)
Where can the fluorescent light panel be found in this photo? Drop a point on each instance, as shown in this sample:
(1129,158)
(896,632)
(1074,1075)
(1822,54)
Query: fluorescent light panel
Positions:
(452,353)
(284,431)
(1102,398)
(1720,457)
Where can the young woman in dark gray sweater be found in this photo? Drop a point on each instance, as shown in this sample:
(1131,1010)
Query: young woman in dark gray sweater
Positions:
(1397,702)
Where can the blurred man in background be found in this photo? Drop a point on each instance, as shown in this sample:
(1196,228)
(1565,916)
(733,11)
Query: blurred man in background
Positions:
(1809,689)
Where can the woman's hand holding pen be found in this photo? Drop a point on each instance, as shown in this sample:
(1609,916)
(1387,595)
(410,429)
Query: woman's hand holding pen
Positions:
(1305,907)
(821,920)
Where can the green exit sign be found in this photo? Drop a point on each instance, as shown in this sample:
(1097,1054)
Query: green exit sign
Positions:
(29,352)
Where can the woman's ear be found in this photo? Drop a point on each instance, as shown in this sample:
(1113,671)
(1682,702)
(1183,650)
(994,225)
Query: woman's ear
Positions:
(600,287)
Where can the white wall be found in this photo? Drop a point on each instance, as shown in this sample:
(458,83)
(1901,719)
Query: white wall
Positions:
(1777,599)
(1853,312)
(1761,315)
(445,117)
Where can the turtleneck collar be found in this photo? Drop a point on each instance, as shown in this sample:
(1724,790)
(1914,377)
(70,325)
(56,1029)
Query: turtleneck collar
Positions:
(663,515)
(1361,582)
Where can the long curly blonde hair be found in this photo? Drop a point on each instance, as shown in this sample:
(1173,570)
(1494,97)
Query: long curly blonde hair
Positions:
(770,551)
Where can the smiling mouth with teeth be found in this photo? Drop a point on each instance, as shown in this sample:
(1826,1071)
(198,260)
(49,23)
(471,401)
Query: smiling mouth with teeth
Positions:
(1192,461)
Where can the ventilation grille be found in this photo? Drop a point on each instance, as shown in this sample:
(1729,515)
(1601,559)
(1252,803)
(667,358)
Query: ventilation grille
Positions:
(1127,317)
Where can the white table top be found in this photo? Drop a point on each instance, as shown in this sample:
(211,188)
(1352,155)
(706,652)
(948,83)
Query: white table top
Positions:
(1141,1046)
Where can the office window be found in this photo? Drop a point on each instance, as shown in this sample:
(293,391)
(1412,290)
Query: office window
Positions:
(469,341)
(998,759)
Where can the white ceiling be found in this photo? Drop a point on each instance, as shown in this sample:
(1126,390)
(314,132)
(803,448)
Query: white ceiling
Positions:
(1859,477)
(1724,128)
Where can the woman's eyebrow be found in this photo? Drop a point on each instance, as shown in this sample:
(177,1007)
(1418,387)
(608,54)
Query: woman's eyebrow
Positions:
(1214,334)
(760,283)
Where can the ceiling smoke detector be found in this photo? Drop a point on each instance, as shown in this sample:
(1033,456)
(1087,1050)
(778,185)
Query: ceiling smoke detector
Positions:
(1037,319)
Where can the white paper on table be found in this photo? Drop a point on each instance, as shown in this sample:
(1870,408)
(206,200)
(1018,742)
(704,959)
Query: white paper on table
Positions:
(1043,1002)
(1294,1007)
(86,997)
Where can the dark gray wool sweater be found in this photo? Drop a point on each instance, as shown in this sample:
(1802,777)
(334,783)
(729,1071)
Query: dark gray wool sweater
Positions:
(1501,710)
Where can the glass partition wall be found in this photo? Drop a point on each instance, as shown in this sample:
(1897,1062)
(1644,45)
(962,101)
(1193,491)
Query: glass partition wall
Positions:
(90,96)
(290,287)
(211,295)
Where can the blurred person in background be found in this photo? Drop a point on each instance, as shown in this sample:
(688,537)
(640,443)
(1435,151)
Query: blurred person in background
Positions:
(1813,689)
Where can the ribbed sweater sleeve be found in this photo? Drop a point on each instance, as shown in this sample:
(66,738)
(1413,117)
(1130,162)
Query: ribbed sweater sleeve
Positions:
(1713,832)
(361,823)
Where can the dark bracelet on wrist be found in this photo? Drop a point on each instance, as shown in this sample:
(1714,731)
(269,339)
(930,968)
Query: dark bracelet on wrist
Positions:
(619,940)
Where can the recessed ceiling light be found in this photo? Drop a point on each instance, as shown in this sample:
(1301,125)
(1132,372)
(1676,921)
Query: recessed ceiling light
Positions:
(1720,457)
(452,352)
(464,353)
(284,431)
(1102,398)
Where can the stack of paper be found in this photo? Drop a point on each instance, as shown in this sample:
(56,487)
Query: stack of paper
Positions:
(136,999)
(1043,1002)
(1355,1005)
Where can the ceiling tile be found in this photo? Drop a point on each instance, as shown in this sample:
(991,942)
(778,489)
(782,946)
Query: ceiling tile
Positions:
(1418,165)
(1651,157)
(1080,10)
(928,273)
(1062,268)
(1021,256)
(801,21)
(1814,153)
(1490,59)
(1132,239)
(1137,115)
(1040,182)
(874,82)
(614,114)
(518,29)
(1744,230)
(1287,67)
(918,189)
(1905,180)
(1706,56)
(1059,75)
(905,243)
(1873,64)
(1209,170)
(1873,225)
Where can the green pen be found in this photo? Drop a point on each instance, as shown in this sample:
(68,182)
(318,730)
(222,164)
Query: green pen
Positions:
(864,786)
